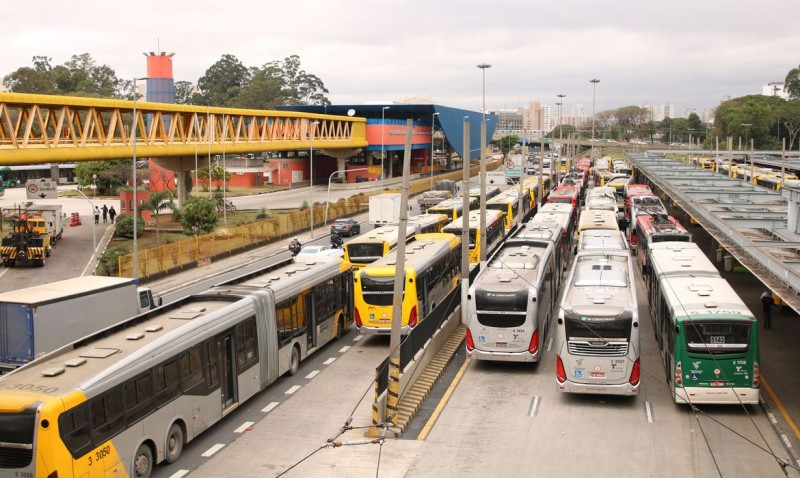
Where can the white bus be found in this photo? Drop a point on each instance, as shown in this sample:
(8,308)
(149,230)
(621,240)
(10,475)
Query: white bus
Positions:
(597,332)
(511,302)
(550,232)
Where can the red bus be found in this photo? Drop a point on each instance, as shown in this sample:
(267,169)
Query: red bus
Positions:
(656,228)
(634,190)
(565,195)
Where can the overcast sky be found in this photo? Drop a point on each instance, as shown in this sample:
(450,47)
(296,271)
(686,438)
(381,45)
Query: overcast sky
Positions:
(686,53)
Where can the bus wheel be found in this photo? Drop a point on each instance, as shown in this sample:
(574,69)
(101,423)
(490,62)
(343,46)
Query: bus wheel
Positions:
(340,327)
(174,443)
(143,462)
(295,366)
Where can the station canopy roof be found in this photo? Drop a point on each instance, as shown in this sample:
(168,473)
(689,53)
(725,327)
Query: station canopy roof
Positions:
(449,120)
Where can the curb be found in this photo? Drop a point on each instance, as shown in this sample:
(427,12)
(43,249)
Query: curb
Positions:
(776,427)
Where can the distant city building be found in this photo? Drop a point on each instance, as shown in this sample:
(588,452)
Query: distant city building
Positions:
(659,112)
(775,89)
(536,118)
(707,115)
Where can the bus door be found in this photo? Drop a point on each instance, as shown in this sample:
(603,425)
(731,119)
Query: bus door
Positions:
(227,361)
(311,325)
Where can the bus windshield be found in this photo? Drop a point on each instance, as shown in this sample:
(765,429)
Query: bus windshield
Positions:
(614,330)
(716,337)
(365,253)
(378,290)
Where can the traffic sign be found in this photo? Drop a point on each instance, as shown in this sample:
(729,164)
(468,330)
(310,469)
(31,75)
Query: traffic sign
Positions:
(41,189)
(495,178)
(511,164)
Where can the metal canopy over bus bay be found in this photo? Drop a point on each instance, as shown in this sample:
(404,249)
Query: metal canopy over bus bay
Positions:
(749,221)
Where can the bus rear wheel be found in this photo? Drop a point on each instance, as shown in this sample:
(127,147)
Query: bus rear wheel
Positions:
(295,364)
(174,443)
(143,462)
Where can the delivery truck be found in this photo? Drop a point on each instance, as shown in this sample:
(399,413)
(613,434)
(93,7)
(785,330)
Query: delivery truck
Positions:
(43,318)
(384,209)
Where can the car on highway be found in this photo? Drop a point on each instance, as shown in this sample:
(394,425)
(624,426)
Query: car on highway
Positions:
(346,226)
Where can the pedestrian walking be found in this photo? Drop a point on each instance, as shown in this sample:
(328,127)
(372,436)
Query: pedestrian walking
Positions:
(105,212)
(96,215)
(767,301)
(112,213)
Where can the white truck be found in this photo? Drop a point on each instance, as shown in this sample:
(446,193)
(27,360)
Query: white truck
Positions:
(43,318)
(384,209)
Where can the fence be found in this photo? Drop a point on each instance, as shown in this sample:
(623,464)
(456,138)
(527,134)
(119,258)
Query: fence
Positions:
(188,252)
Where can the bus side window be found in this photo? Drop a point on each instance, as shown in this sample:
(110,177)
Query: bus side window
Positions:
(73,426)
(212,364)
(246,344)
(167,382)
(191,363)
(106,415)
(138,395)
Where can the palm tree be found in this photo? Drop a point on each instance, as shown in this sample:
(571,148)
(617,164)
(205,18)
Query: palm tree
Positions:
(160,200)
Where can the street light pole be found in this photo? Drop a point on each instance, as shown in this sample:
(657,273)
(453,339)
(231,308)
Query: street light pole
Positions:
(594,82)
(482,163)
(328,200)
(224,172)
(433,125)
(196,140)
(561,97)
(135,198)
(746,132)
(311,176)
(383,119)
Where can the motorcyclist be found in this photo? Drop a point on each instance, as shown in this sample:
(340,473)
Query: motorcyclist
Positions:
(336,241)
(295,246)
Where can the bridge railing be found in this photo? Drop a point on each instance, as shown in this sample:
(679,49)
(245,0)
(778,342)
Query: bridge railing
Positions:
(159,260)
(40,128)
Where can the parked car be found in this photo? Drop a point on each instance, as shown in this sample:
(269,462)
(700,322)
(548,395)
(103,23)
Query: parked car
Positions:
(346,227)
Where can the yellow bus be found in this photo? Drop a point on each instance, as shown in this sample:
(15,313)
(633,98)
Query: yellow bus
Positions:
(122,400)
(432,272)
(508,203)
(494,232)
(533,184)
(491,191)
(374,244)
(597,219)
(427,223)
(453,207)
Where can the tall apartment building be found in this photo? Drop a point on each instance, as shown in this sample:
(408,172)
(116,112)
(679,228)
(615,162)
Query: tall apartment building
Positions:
(536,118)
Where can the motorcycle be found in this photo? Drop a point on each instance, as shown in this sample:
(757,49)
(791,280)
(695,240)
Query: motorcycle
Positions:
(336,242)
(294,247)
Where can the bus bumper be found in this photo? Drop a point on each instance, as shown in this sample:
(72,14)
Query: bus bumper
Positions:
(704,395)
(625,389)
(504,356)
(367,330)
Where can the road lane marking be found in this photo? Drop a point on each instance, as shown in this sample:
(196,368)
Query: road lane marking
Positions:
(213,449)
(649,412)
(344,349)
(329,361)
(550,344)
(779,404)
(312,374)
(534,410)
(270,407)
(244,427)
(5,269)
(438,410)
(358,337)
(292,390)
(179,474)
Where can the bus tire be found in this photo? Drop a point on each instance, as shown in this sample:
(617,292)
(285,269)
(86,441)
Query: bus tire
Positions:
(295,360)
(143,462)
(175,442)
(339,327)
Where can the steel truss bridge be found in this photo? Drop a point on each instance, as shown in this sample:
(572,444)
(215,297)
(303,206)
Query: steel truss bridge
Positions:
(36,129)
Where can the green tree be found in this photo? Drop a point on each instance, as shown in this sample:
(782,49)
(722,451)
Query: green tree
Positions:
(263,92)
(629,118)
(111,174)
(202,178)
(507,143)
(222,82)
(80,76)
(789,117)
(218,174)
(124,226)
(199,216)
(757,111)
(156,202)
(298,87)
(183,92)
(792,83)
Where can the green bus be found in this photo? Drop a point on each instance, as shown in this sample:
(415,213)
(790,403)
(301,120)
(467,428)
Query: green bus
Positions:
(707,335)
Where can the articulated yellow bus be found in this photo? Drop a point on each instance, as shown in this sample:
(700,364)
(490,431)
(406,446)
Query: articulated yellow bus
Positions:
(374,244)
(508,203)
(432,271)
(494,232)
(453,207)
(120,401)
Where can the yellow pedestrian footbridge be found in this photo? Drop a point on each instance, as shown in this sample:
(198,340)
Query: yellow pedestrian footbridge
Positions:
(37,129)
